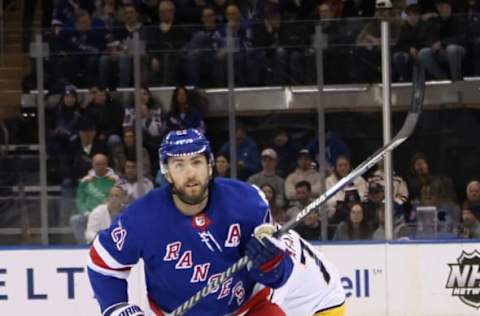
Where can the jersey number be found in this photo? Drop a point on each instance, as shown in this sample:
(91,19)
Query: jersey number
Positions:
(306,249)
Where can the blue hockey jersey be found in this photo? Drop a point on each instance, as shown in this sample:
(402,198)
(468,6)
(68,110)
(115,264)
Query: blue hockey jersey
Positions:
(181,253)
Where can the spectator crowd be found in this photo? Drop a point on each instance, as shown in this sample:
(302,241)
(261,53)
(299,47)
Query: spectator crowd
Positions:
(186,41)
(94,139)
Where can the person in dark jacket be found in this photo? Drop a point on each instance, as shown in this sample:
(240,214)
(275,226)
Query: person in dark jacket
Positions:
(107,116)
(117,57)
(445,44)
(200,51)
(86,42)
(163,42)
(411,39)
(63,122)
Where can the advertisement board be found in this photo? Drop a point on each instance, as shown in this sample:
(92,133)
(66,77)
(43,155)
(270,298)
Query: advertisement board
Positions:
(379,279)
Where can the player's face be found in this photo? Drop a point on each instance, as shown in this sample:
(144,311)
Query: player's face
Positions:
(189,177)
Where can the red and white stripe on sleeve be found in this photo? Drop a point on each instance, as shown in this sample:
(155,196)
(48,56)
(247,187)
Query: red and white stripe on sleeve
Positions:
(102,262)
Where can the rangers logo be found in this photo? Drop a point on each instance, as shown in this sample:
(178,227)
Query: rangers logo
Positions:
(118,236)
(464,278)
(201,222)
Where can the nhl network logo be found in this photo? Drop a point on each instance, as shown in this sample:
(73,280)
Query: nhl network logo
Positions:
(464,278)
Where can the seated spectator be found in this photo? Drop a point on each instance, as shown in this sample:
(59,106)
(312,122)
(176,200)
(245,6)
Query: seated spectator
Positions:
(446,43)
(115,68)
(247,153)
(334,147)
(242,42)
(129,182)
(268,176)
(473,33)
(305,172)
(102,215)
(222,166)
(274,50)
(399,230)
(412,37)
(286,150)
(83,148)
(368,54)
(59,60)
(310,227)
(303,197)
(152,116)
(473,193)
(342,208)
(64,120)
(163,42)
(86,41)
(470,222)
(201,50)
(107,115)
(127,149)
(92,191)
(342,169)
(277,212)
(183,113)
(109,12)
(355,227)
(219,6)
(353,8)
(149,11)
(421,176)
(66,10)
(376,197)
(400,189)
(440,195)
(339,36)
(445,200)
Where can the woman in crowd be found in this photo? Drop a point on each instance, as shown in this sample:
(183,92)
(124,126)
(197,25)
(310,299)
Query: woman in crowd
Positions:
(222,166)
(277,212)
(355,227)
(183,114)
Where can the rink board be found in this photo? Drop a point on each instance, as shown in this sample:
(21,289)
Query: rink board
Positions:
(380,279)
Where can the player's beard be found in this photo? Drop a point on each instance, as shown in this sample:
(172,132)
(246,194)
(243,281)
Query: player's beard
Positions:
(192,198)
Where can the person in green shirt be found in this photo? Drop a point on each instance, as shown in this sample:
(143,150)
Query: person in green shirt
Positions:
(92,191)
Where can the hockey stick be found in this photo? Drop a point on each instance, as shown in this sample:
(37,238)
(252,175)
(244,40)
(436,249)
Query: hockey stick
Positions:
(406,130)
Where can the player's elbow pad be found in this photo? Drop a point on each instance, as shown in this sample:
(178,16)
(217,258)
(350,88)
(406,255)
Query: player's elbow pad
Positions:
(123,309)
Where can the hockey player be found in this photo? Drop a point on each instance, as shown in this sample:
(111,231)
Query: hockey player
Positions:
(314,287)
(188,233)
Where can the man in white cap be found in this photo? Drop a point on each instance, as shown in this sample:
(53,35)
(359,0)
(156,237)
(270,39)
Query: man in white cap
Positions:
(268,175)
